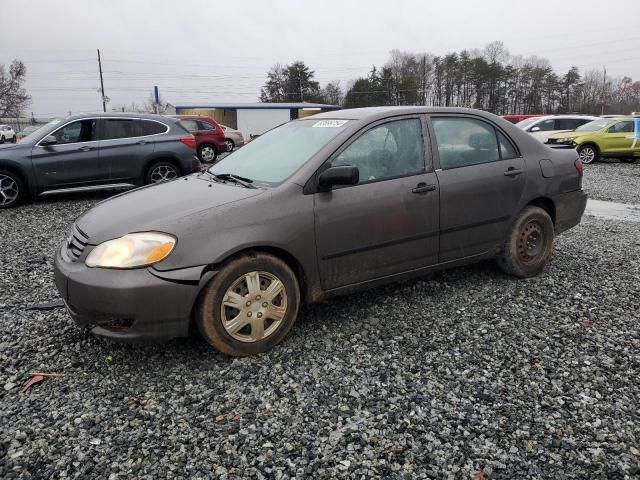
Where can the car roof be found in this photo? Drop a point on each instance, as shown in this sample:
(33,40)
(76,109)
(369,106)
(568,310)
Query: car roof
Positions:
(566,115)
(146,116)
(373,113)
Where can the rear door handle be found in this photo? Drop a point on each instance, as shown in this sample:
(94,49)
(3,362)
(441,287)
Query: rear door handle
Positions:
(512,172)
(423,188)
(86,148)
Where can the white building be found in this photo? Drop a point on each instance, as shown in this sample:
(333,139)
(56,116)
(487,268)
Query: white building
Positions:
(252,118)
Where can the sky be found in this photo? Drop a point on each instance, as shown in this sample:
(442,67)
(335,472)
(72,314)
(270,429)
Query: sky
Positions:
(211,51)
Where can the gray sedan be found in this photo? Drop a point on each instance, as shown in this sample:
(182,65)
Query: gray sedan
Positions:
(318,207)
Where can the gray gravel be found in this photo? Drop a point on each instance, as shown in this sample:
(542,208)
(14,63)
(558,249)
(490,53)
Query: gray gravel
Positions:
(436,378)
(613,181)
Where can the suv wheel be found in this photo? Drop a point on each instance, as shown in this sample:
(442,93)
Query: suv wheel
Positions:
(207,153)
(11,189)
(530,244)
(588,153)
(161,172)
(249,306)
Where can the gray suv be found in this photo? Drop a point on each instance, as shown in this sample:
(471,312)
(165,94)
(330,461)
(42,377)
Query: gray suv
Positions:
(315,208)
(95,152)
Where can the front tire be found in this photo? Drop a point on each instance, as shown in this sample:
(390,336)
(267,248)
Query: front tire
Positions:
(207,153)
(249,306)
(588,153)
(11,189)
(530,244)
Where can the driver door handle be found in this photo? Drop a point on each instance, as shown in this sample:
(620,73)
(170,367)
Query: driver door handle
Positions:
(512,172)
(85,148)
(423,188)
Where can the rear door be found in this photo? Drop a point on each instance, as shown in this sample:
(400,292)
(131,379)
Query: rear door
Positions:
(482,179)
(618,138)
(125,147)
(73,161)
(388,222)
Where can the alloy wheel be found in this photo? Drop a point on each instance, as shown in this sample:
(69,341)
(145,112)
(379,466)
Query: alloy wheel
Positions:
(9,189)
(163,173)
(229,145)
(587,155)
(254,307)
(208,154)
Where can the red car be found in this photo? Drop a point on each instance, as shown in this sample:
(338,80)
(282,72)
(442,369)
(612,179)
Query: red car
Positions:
(210,137)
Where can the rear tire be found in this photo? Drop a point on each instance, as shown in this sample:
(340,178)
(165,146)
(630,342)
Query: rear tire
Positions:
(262,318)
(530,244)
(161,172)
(588,153)
(229,145)
(11,189)
(207,153)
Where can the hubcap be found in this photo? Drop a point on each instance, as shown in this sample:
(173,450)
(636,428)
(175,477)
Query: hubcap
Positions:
(254,307)
(163,173)
(587,155)
(208,154)
(8,190)
(531,242)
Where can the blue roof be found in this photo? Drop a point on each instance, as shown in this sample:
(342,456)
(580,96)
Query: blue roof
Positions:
(257,105)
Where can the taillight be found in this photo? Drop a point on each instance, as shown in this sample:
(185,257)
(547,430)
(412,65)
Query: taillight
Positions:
(579,166)
(189,141)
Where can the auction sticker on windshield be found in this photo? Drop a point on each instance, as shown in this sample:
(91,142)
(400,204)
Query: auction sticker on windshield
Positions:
(329,123)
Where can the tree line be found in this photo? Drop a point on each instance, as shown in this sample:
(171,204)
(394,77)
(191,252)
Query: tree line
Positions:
(489,79)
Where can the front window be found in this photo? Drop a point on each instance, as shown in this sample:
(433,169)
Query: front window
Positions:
(593,126)
(391,150)
(81,131)
(275,155)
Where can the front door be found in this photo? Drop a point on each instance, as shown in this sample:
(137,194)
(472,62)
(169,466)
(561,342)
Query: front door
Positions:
(74,160)
(388,222)
(482,178)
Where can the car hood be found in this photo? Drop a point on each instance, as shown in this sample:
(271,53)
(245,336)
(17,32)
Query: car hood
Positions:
(170,207)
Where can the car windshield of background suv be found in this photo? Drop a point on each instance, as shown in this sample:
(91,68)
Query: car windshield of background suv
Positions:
(593,126)
(275,155)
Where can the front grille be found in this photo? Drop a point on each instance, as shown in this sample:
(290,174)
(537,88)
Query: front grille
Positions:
(75,244)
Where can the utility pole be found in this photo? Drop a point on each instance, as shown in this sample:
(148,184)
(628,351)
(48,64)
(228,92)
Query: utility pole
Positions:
(104,102)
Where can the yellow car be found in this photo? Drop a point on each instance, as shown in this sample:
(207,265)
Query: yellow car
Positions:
(606,137)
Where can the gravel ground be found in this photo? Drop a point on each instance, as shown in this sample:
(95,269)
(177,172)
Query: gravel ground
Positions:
(462,372)
(613,181)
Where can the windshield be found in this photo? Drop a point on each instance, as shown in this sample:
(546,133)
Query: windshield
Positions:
(527,121)
(275,155)
(36,134)
(593,126)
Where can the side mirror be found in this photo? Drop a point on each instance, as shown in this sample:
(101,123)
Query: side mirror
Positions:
(48,140)
(341,175)
(534,129)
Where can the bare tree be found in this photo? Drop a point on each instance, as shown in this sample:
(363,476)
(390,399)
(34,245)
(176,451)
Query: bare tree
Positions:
(13,96)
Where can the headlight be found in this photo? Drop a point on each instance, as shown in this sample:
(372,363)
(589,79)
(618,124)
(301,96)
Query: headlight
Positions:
(132,250)
(565,140)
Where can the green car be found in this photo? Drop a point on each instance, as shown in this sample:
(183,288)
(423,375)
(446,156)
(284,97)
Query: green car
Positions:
(605,137)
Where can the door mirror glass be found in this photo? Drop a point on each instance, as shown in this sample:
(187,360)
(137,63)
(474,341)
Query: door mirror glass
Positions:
(48,140)
(341,175)
(535,129)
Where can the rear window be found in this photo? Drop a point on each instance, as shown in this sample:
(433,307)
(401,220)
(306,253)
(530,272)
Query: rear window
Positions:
(190,125)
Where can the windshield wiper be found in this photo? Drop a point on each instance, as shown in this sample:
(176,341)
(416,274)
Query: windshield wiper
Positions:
(245,182)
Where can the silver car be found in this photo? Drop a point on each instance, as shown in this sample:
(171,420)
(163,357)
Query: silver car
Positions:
(233,138)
